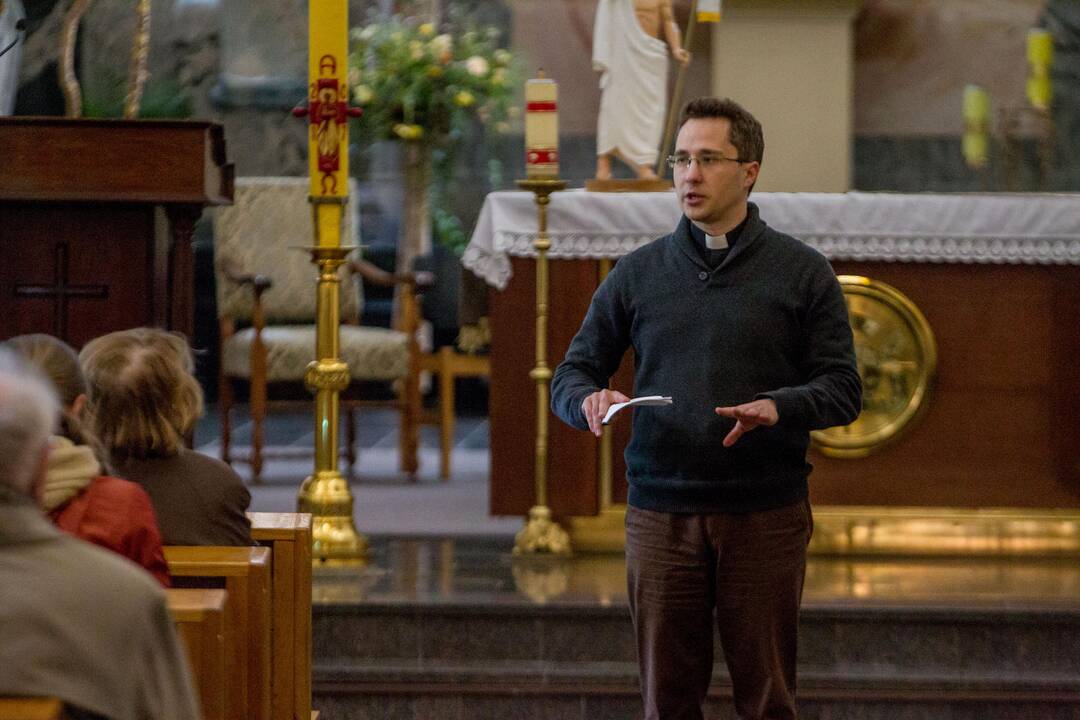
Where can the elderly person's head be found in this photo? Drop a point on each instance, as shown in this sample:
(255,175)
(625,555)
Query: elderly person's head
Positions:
(28,412)
(144,399)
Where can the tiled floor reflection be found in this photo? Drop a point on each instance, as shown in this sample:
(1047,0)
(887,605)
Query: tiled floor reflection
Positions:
(484,572)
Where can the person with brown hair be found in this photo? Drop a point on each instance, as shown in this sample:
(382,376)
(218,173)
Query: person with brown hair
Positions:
(79,495)
(144,401)
(747,330)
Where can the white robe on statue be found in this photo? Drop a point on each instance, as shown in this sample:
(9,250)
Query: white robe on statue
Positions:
(633,86)
(9,62)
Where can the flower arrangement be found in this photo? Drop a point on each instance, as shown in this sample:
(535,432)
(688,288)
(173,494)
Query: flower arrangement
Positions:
(435,89)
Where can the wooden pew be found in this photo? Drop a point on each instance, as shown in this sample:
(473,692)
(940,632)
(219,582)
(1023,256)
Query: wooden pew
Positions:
(199,616)
(289,536)
(19,708)
(245,573)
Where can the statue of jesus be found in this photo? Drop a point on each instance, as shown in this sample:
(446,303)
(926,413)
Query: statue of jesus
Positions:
(631,39)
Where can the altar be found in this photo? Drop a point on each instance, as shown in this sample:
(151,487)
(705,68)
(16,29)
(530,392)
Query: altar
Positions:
(997,277)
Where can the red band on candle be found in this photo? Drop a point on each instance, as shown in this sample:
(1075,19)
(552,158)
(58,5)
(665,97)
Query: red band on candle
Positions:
(540,107)
(533,157)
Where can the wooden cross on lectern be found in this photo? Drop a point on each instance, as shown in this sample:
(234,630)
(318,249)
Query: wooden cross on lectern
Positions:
(61,290)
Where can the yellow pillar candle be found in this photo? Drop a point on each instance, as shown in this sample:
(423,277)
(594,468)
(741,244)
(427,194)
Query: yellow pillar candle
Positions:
(1040,48)
(976,104)
(1040,54)
(541,128)
(709,11)
(974,143)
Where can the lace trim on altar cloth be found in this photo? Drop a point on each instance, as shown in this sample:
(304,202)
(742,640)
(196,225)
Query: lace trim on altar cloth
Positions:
(944,248)
(494,267)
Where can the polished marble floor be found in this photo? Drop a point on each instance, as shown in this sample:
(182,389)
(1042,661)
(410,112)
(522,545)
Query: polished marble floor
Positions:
(483,571)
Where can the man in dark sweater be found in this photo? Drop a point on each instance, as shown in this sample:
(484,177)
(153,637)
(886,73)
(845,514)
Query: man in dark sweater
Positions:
(747,330)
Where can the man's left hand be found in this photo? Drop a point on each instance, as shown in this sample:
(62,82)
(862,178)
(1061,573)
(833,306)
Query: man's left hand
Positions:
(748,416)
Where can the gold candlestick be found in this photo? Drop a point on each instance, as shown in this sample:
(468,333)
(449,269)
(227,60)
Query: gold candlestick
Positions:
(541,533)
(325,494)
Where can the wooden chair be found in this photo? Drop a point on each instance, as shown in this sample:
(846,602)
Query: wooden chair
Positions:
(448,365)
(19,708)
(288,535)
(199,617)
(245,573)
(267,306)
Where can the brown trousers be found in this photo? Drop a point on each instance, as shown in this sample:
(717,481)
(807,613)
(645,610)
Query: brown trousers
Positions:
(747,570)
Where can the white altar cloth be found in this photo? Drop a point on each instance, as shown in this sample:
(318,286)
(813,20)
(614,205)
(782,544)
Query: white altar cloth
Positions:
(1019,228)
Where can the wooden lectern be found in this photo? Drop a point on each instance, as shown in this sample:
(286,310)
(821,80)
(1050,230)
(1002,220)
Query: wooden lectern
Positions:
(96,220)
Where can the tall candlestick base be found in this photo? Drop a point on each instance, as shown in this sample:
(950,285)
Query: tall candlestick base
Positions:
(325,493)
(334,538)
(541,535)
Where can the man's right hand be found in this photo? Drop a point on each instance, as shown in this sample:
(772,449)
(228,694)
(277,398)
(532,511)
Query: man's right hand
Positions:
(595,407)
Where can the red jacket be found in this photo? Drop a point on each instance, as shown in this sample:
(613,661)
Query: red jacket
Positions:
(116,514)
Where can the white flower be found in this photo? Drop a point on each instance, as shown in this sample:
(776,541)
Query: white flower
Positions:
(362,94)
(476,66)
(441,44)
(368,32)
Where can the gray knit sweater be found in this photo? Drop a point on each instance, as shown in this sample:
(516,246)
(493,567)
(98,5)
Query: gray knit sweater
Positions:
(770,321)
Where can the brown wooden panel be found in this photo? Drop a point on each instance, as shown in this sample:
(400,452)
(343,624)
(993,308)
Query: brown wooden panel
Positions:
(288,535)
(92,188)
(18,708)
(199,616)
(246,575)
(1000,428)
(151,161)
(107,251)
(1064,406)
(572,455)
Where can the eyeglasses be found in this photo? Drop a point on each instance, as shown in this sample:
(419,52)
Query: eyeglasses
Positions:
(705,161)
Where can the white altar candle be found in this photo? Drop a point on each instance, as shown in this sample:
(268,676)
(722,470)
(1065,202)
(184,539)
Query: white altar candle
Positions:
(541,128)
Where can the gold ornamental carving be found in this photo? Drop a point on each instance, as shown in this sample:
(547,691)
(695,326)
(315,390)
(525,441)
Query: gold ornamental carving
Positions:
(897,359)
(327,375)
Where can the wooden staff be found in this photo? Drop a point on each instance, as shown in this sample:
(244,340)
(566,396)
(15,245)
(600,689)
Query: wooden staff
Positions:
(673,106)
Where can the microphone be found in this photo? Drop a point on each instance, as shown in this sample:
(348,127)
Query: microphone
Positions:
(20,26)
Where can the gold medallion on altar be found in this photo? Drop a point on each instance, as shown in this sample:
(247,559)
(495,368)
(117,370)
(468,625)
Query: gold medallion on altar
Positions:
(897,357)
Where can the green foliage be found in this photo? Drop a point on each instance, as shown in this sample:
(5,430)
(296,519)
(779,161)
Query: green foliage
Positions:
(437,89)
(161,99)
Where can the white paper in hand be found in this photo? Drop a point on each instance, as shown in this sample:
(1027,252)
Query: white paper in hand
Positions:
(645,400)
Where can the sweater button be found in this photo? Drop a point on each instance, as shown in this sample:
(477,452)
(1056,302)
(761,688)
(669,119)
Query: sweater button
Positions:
(703,275)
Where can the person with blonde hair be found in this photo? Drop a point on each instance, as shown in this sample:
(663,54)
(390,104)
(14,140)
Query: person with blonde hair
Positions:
(143,403)
(77,622)
(79,495)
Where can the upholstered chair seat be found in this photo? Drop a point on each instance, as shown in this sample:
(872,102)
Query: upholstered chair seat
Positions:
(373,353)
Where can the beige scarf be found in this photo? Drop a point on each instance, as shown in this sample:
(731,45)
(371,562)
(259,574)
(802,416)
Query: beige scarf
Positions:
(71,468)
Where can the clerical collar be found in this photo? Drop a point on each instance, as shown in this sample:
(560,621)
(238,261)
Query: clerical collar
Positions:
(718,242)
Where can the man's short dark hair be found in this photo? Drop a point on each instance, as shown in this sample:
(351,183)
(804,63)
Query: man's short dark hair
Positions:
(746,133)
